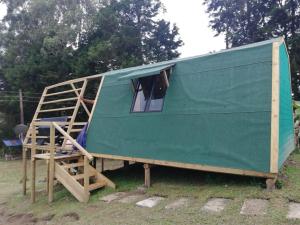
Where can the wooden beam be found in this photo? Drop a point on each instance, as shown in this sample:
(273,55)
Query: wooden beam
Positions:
(147,175)
(165,78)
(188,166)
(96,99)
(275,110)
(63,92)
(86,179)
(33,165)
(81,101)
(51,163)
(74,142)
(57,109)
(59,100)
(24,157)
(75,81)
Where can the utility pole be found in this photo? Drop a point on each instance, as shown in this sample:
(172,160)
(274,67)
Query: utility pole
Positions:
(21,106)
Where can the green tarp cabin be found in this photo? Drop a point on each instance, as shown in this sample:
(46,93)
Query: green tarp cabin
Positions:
(227,112)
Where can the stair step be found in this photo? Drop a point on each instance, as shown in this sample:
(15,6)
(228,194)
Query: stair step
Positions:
(81,176)
(72,165)
(96,185)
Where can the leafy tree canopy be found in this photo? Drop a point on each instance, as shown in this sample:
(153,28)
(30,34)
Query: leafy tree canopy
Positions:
(47,41)
(247,21)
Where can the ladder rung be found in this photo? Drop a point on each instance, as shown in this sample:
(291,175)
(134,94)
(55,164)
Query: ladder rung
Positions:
(63,92)
(57,109)
(75,130)
(59,100)
(79,123)
(72,165)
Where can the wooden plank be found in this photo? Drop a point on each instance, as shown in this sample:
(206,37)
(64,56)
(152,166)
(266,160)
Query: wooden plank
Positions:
(51,163)
(24,158)
(147,175)
(33,165)
(75,80)
(97,185)
(70,183)
(74,142)
(72,165)
(86,180)
(96,99)
(166,78)
(275,110)
(62,92)
(81,101)
(57,109)
(75,130)
(59,100)
(188,166)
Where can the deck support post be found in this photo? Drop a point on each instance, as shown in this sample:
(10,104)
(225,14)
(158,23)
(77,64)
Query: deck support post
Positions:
(147,175)
(86,179)
(24,151)
(270,184)
(33,163)
(126,164)
(51,164)
(47,178)
(102,165)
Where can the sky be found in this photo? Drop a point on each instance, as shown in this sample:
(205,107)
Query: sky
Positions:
(192,21)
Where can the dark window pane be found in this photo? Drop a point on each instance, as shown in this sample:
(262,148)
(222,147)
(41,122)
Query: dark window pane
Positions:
(158,94)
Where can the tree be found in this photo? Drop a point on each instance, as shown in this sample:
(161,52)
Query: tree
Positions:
(47,41)
(127,33)
(37,40)
(248,21)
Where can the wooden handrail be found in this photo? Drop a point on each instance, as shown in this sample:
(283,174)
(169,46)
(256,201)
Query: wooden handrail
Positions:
(74,142)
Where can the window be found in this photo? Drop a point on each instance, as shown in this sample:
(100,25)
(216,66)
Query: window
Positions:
(149,94)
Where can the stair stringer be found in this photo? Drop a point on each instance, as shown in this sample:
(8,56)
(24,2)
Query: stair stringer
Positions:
(71,184)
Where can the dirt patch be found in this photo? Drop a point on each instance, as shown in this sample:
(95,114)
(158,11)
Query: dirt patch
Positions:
(72,216)
(47,217)
(22,219)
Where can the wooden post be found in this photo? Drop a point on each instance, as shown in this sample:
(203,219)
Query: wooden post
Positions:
(86,177)
(47,178)
(33,163)
(21,107)
(95,163)
(102,165)
(147,175)
(51,163)
(126,164)
(24,169)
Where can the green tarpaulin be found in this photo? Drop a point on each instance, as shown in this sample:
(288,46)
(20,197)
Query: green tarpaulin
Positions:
(216,112)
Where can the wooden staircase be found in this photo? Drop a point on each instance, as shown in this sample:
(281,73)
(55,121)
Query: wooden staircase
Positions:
(71,168)
(71,175)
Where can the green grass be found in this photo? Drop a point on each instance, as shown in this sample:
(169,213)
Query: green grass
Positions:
(171,183)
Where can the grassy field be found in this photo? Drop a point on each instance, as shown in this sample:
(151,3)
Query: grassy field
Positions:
(168,182)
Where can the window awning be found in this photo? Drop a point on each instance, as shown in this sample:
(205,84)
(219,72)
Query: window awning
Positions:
(146,72)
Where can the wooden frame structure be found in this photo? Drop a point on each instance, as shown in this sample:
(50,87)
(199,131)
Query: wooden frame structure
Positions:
(58,165)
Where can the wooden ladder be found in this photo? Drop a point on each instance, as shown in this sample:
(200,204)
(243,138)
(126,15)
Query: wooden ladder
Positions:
(55,102)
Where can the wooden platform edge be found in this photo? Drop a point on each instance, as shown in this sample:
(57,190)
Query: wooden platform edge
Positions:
(199,167)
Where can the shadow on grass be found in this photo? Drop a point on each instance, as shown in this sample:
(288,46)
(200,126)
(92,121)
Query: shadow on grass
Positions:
(126,178)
